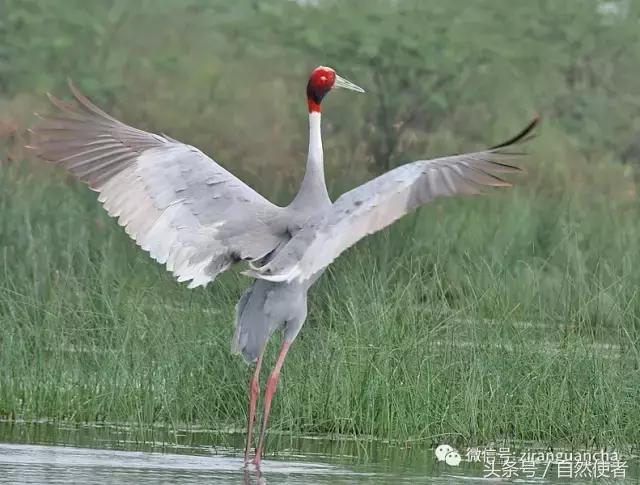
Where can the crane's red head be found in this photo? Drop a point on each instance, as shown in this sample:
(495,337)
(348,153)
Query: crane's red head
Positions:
(322,80)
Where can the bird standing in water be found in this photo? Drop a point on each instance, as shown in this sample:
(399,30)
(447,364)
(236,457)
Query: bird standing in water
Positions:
(191,214)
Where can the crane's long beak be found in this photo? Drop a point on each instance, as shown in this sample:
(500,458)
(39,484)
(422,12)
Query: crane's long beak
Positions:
(343,83)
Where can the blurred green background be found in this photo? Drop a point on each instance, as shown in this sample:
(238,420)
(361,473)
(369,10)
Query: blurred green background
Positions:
(230,76)
(516,316)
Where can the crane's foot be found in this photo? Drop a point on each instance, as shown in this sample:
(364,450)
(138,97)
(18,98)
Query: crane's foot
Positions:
(256,461)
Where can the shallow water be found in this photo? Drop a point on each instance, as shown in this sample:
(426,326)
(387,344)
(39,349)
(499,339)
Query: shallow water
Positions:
(39,453)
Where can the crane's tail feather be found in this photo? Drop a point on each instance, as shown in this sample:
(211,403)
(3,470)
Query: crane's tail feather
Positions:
(244,341)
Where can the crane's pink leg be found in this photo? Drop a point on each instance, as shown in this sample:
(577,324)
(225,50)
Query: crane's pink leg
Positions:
(254,391)
(272,383)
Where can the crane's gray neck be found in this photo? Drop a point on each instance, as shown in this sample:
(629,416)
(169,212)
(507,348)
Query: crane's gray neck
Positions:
(313,190)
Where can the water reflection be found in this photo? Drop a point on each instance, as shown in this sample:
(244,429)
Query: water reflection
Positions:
(33,464)
(109,455)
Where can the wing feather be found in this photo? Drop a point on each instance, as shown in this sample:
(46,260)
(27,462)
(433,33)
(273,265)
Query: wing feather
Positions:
(182,207)
(381,201)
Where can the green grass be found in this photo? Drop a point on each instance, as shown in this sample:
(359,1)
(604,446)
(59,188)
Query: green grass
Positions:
(515,316)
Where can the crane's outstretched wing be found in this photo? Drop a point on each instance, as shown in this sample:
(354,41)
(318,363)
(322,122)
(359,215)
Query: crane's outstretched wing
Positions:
(378,203)
(174,201)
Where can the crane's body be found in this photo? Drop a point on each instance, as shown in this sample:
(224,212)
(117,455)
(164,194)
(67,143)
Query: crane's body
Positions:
(267,306)
(197,218)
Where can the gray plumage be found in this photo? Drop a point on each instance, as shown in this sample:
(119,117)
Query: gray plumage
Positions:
(197,218)
(176,203)
(377,204)
(274,305)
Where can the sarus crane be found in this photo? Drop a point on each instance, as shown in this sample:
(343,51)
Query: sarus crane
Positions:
(198,219)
